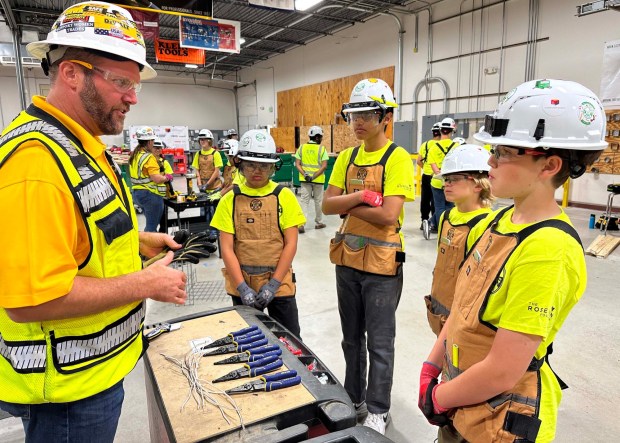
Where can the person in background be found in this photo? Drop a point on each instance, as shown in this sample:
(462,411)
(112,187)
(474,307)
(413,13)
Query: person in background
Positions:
(524,273)
(465,174)
(232,134)
(208,163)
(437,152)
(147,180)
(166,169)
(258,234)
(311,162)
(369,186)
(72,287)
(231,172)
(427,208)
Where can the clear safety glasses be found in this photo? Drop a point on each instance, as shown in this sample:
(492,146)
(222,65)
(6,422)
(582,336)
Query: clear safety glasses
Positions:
(366,116)
(122,84)
(257,166)
(455,178)
(504,154)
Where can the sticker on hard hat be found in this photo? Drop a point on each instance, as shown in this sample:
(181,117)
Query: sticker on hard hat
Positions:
(508,95)
(260,137)
(552,107)
(587,113)
(359,87)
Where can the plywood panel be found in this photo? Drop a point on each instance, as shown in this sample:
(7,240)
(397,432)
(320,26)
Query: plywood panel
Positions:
(609,161)
(343,138)
(284,138)
(319,103)
(191,424)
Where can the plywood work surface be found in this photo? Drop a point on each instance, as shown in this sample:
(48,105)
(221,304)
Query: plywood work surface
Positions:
(191,424)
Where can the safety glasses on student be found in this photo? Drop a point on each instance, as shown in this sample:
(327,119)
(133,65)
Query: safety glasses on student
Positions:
(503,154)
(122,84)
(455,178)
(364,115)
(257,166)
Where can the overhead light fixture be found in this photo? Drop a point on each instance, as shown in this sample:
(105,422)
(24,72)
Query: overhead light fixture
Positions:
(597,6)
(241,40)
(29,36)
(191,65)
(302,5)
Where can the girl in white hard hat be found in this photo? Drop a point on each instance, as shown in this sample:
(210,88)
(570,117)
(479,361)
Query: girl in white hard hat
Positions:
(258,223)
(465,174)
(147,180)
(208,164)
(369,186)
(524,272)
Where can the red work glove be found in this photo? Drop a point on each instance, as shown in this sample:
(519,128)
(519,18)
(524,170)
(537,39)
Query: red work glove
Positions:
(372,198)
(429,372)
(169,177)
(434,413)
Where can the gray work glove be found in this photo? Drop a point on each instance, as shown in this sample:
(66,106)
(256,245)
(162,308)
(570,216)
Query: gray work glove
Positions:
(308,177)
(247,294)
(266,293)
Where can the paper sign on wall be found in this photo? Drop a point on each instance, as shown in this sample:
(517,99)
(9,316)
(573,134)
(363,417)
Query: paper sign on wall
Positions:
(172,136)
(610,75)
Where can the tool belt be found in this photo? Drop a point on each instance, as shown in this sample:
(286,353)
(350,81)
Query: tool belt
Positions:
(436,313)
(366,254)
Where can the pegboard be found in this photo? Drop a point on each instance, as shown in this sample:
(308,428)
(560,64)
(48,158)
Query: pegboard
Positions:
(609,161)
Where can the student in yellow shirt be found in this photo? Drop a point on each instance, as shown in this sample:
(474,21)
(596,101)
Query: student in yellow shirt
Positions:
(427,207)
(524,272)
(207,162)
(258,223)
(369,185)
(231,174)
(465,174)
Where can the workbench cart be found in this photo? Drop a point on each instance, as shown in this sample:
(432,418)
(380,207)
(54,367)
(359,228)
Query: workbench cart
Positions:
(317,406)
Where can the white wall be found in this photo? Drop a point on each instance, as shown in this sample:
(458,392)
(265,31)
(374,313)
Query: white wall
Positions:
(573,51)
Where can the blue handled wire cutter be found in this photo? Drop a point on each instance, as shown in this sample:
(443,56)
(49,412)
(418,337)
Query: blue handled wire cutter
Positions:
(253,369)
(251,355)
(247,332)
(241,345)
(268,383)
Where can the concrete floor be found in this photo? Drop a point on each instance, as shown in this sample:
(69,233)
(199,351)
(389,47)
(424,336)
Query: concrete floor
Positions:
(586,355)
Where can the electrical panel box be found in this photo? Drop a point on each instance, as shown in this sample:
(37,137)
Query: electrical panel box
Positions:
(404,133)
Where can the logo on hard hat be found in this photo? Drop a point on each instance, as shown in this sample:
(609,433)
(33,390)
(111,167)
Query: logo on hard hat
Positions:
(260,137)
(256,204)
(587,113)
(246,141)
(359,87)
(507,96)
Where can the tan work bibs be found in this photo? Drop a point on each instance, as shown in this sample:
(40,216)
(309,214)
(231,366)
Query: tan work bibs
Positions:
(450,255)
(206,166)
(258,242)
(362,245)
(512,415)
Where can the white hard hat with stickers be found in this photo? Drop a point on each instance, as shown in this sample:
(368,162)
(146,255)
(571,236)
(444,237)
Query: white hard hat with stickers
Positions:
(315,130)
(465,158)
(257,146)
(94,25)
(205,133)
(145,133)
(547,114)
(370,94)
(447,123)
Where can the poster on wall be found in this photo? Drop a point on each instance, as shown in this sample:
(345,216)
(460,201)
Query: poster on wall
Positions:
(212,35)
(172,136)
(610,75)
(147,22)
(202,8)
(170,51)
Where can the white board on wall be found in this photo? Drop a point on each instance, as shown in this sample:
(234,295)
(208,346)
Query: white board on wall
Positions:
(610,75)
(172,136)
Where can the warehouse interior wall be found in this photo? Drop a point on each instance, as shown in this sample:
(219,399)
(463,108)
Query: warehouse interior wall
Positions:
(464,45)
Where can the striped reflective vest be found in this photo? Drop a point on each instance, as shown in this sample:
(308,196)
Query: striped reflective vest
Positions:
(310,158)
(140,179)
(72,359)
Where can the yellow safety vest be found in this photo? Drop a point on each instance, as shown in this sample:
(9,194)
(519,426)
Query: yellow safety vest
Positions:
(310,157)
(71,359)
(140,180)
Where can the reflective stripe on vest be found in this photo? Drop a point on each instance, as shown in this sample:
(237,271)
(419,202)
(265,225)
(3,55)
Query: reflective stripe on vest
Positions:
(25,357)
(481,271)
(111,227)
(140,179)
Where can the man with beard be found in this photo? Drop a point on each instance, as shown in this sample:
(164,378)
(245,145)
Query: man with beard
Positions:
(72,288)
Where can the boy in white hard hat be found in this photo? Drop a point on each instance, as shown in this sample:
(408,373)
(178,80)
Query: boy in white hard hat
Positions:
(524,273)
(311,162)
(369,186)
(72,295)
(258,223)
